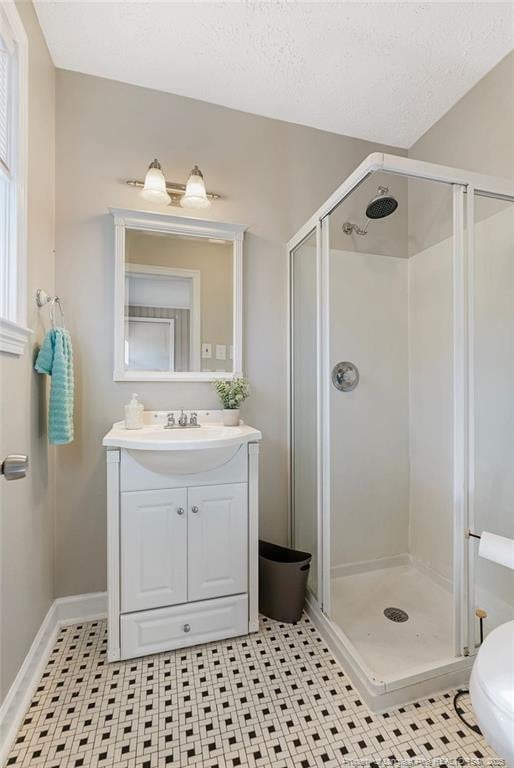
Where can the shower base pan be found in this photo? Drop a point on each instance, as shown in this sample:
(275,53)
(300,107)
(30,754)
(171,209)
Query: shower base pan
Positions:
(397,617)
(396,646)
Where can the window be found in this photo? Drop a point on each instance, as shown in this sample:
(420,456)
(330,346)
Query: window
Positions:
(13,180)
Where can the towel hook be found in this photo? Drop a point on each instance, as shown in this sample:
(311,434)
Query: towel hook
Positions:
(42,298)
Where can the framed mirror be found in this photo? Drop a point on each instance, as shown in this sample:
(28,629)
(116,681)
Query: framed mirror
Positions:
(178,297)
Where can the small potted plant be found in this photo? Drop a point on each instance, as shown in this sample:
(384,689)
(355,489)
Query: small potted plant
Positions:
(232,392)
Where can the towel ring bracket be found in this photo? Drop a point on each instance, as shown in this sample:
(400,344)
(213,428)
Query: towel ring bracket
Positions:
(42,299)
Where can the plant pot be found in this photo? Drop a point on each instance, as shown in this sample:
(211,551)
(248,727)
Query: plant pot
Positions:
(231,417)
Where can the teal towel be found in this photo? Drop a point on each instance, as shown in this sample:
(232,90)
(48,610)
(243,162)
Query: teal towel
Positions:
(56,359)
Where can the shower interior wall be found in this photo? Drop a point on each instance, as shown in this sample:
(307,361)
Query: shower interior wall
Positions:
(390,301)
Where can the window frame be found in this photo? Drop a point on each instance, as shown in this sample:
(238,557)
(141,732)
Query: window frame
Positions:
(14,332)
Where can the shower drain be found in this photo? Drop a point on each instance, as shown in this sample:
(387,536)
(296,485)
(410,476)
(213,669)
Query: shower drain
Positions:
(396,614)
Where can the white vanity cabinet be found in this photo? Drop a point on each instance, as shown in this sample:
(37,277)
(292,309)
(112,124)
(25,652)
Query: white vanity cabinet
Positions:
(182,550)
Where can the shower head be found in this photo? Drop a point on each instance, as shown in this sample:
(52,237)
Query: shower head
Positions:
(382,205)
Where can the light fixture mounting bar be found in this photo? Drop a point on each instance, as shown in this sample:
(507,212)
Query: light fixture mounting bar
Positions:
(175,190)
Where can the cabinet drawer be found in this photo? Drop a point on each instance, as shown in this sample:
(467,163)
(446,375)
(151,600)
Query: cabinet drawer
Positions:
(165,629)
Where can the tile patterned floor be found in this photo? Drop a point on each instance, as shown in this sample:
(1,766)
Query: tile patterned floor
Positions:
(276,698)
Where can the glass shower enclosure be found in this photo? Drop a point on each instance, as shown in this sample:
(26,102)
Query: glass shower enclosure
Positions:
(401,393)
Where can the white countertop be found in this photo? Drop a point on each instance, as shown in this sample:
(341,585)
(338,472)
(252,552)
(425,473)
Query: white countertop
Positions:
(154,437)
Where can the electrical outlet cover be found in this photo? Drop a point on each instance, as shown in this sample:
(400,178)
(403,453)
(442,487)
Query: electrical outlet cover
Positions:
(206,350)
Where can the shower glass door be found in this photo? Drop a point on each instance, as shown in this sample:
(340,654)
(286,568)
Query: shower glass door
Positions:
(492,407)
(391,260)
(304,402)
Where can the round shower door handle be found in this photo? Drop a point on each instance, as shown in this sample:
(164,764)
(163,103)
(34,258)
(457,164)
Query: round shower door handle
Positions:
(345,376)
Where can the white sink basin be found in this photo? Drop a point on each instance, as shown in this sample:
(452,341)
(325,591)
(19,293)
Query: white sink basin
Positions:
(181,451)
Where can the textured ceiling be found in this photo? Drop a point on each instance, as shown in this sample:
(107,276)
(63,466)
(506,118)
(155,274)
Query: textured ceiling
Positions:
(379,71)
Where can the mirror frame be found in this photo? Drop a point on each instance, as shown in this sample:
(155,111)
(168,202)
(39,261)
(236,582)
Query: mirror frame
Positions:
(172,224)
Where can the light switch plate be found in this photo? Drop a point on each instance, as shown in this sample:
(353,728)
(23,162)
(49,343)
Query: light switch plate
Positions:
(221,351)
(206,350)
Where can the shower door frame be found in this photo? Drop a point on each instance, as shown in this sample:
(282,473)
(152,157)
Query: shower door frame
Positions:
(465,185)
(316,231)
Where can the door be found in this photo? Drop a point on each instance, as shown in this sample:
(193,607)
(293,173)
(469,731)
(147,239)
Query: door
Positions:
(150,344)
(153,549)
(217,534)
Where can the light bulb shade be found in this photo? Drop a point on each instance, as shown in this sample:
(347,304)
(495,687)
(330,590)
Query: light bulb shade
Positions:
(195,195)
(155,185)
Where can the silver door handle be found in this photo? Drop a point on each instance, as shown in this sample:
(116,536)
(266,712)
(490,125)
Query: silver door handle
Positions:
(180,511)
(187,627)
(15,466)
(195,510)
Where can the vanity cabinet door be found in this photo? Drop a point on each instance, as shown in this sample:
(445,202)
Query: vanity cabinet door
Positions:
(153,549)
(217,538)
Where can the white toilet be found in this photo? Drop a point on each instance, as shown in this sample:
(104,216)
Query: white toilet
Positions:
(492,690)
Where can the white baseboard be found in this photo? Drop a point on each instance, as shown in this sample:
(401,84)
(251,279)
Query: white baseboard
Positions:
(63,611)
(81,608)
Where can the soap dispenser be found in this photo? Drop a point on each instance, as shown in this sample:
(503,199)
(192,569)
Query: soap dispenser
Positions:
(134,413)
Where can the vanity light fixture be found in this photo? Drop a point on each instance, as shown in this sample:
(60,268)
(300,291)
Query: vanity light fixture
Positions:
(196,194)
(156,189)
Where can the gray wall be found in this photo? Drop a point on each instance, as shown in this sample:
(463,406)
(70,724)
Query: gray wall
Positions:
(274,175)
(477,134)
(26,519)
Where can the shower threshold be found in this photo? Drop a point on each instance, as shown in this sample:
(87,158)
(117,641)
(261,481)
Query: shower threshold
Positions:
(381,693)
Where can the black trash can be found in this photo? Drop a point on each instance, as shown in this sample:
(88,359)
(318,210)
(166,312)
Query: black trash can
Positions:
(283,575)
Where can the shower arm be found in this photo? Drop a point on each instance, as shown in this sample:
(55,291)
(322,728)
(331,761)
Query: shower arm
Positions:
(350,229)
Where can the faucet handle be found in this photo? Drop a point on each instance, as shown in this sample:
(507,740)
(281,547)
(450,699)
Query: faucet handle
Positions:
(171,419)
(193,418)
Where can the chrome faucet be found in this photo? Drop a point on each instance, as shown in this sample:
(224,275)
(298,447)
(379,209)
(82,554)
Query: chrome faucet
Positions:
(182,422)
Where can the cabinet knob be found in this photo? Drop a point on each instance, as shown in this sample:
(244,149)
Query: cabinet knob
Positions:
(180,511)
(187,627)
(195,510)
